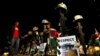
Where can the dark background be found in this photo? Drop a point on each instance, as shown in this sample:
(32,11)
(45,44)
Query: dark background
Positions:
(30,13)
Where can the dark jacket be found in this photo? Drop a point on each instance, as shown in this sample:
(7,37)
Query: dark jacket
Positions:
(45,36)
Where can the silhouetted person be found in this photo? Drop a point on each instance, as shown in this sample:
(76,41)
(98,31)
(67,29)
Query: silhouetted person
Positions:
(15,37)
(80,34)
(62,10)
(36,36)
(62,24)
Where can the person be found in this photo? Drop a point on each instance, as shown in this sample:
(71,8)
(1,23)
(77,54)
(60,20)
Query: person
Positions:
(28,37)
(22,49)
(15,37)
(54,34)
(62,10)
(79,32)
(36,36)
(34,47)
(96,38)
(52,39)
(62,24)
(28,46)
(45,33)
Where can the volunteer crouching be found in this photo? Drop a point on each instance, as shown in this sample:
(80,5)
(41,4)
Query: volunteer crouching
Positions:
(52,41)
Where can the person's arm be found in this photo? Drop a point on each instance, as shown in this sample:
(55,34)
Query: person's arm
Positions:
(41,37)
(59,24)
(58,44)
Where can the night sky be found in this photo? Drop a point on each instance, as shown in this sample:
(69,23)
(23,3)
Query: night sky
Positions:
(30,13)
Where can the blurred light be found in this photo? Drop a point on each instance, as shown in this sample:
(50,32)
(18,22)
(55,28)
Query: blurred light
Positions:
(97,48)
(76,17)
(6,54)
(62,5)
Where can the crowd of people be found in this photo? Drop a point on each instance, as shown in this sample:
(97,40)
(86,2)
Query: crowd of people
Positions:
(30,42)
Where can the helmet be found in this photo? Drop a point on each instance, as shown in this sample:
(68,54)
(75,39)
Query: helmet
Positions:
(35,28)
(62,5)
(62,8)
(45,21)
(77,17)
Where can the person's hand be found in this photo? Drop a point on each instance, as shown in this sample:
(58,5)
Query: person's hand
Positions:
(22,37)
(41,33)
(59,34)
(39,41)
(59,24)
(97,38)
